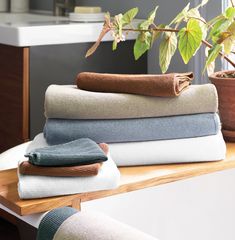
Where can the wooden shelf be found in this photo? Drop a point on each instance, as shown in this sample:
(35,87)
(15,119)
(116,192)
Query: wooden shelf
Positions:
(132,178)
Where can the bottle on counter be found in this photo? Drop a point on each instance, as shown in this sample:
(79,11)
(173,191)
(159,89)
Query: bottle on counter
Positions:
(4,4)
(19,6)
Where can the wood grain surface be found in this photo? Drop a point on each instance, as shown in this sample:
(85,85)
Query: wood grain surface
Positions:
(132,178)
(14,96)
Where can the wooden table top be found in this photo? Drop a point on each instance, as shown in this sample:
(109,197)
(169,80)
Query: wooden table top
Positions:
(132,178)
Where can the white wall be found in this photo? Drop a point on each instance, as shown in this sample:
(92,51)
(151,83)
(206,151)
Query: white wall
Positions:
(201,208)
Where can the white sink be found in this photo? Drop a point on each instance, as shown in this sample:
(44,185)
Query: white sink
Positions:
(31,30)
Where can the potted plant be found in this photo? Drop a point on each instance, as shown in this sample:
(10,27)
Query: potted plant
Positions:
(188,31)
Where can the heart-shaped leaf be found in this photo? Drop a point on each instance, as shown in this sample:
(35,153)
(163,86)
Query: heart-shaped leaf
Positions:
(129,16)
(150,20)
(190,40)
(167,49)
(142,44)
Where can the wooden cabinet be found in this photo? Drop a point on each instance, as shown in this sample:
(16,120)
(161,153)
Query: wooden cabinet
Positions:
(14,96)
(26,72)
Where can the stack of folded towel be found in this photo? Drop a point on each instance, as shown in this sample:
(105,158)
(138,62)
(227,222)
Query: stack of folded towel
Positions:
(74,167)
(146,119)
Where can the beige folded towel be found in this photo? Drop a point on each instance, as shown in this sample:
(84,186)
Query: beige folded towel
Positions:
(68,102)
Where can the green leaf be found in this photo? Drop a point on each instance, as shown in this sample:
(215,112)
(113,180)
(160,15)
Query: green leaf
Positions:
(150,20)
(156,34)
(142,44)
(180,17)
(230,13)
(167,49)
(223,36)
(190,40)
(216,19)
(212,55)
(220,26)
(204,2)
(229,41)
(114,46)
(152,15)
(192,13)
(129,16)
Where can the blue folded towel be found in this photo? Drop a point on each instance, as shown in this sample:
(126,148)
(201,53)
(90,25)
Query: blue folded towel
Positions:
(78,152)
(131,130)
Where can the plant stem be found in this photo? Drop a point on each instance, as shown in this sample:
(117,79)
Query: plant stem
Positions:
(152,29)
(221,54)
(232,3)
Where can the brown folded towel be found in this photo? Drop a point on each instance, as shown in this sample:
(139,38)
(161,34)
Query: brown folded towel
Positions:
(162,85)
(26,168)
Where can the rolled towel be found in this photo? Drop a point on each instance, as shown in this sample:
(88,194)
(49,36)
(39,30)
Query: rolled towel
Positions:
(67,223)
(78,152)
(68,102)
(30,187)
(162,85)
(26,168)
(131,130)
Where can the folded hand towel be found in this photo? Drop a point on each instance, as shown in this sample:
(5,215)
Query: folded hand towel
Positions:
(162,85)
(68,102)
(78,152)
(130,130)
(41,186)
(26,168)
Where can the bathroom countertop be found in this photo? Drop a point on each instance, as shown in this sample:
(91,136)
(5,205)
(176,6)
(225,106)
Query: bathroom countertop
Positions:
(24,30)
(132,178)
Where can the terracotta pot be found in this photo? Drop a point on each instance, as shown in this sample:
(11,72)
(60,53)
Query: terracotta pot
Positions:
(226,94)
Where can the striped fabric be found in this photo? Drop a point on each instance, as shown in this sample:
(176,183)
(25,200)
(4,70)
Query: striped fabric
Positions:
(52,221)
(69,224)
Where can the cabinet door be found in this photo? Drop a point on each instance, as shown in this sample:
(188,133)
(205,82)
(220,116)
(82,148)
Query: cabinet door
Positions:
(14,96)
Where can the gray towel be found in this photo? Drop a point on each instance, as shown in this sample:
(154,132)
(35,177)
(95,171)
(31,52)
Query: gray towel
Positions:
(68,102)
(130,130)
(78,152)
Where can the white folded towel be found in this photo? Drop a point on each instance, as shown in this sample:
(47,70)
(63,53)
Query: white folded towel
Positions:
(199,149)
(39,186)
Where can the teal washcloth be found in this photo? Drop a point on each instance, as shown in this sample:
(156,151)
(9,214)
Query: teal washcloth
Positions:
(79,152)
